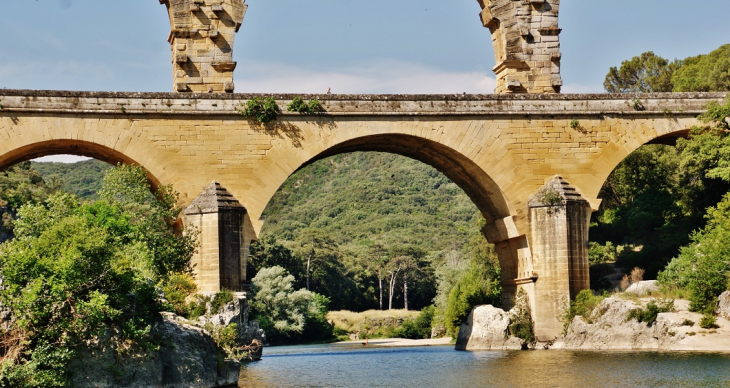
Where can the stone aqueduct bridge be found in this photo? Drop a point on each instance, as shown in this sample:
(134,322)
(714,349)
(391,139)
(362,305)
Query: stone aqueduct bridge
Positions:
(505,151)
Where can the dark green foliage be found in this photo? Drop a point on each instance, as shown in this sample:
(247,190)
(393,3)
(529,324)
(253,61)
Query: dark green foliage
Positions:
(583,304)
(82,178)
(649,313)
(708,321)
(702,267)
(650,73)
(75,270)
(475,288)
(642,74)
(704,73)
(220,299)
(306,108)
(658,195)
(20,185)
(263,110)
(419,328)
(316,327)
(368,205)
(267,252)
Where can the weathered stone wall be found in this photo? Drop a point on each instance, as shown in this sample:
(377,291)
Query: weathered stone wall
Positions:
(201,39)
(526,44)
(500,149)
(559,219)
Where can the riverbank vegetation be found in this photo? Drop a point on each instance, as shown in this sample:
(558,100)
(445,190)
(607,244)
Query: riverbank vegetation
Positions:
(666,209)
(75,270)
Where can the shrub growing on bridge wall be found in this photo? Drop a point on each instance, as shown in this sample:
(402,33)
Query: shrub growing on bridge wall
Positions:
(306,108)
(263,110)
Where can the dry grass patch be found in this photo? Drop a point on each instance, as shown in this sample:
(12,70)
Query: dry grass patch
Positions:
(346,320)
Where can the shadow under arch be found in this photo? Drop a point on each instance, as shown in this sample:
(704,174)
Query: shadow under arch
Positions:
(74,147)
(481,189)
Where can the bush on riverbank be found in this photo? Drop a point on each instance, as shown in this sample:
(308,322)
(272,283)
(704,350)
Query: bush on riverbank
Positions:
(583,304)
(383,323)
(288,316)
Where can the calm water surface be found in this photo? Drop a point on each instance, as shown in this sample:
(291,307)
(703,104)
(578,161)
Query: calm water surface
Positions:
(442,366)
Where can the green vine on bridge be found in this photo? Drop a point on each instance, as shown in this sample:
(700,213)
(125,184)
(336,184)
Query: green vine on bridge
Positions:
(312,107)
(260,109)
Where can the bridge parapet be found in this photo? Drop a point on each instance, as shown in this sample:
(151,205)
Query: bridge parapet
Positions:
(573,105)
(500,149)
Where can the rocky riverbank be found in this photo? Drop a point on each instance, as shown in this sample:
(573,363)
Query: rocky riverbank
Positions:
(608,327)
(186,353)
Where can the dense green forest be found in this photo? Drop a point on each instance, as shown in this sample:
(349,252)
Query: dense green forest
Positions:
(82,178)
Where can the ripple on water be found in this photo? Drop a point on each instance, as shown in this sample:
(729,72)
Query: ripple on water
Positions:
(441,366)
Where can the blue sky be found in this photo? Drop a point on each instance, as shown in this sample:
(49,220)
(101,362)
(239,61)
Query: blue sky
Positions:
(307,46)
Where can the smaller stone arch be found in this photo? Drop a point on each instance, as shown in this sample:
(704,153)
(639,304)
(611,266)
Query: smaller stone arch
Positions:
(74,147)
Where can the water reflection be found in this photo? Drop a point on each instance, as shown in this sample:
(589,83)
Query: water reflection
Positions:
(345,366)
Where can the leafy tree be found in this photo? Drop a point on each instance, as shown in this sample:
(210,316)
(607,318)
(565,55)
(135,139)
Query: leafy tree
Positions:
(478,285)
(471,290)
(659,194)
(267,252)
(704,73)
(153,217)
(74,270)
(651,73)
(641,74)
(283,312)
(703,266)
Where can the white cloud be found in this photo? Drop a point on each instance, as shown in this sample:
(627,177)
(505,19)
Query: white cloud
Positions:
(61,158)
(376,77)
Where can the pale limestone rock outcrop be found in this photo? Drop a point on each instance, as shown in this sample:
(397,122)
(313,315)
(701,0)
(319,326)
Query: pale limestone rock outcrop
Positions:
(610,329)
(187,357)
(724,305)
(643,288)
(487,328)
(236,312)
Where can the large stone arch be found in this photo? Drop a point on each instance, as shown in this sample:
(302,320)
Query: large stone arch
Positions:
(630,135)
(502,229)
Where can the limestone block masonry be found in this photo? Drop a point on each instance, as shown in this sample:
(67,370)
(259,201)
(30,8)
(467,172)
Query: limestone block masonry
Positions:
(201,39)
(526,44)
(559,220)
(220,260)
(500,149)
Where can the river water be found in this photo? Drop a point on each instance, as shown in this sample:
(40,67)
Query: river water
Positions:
(441,366)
